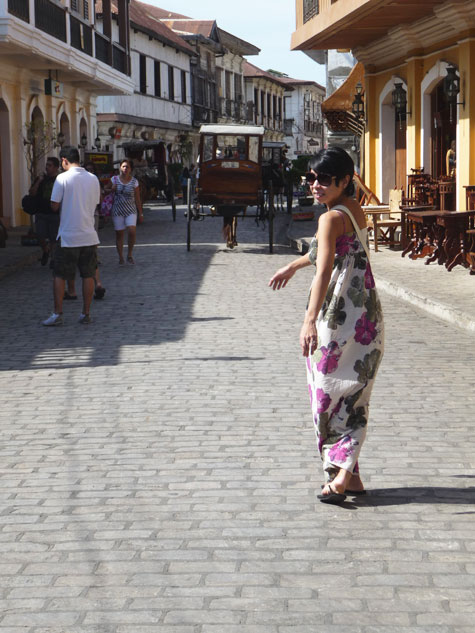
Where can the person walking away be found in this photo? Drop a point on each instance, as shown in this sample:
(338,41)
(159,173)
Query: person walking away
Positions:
(127,208)
(76,192)
(342,336)
(46,221)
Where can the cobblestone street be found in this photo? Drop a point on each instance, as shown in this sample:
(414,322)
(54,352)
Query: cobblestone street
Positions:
(159,470)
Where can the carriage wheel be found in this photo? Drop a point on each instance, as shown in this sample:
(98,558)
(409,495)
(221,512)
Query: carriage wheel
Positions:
(270,215)
(289,197)
(188,225)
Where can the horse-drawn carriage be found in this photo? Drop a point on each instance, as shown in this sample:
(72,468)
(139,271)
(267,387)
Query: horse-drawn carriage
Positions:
(230,178)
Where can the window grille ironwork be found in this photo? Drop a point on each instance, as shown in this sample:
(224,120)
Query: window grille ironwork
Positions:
(50,18)
(102,48)
(119,59)
(81,36)
(311,8)
(20,9)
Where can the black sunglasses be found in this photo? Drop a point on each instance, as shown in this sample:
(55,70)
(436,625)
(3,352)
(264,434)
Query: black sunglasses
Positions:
(323,179)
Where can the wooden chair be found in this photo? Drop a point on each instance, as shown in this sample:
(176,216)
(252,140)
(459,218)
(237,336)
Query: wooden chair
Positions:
(382,220)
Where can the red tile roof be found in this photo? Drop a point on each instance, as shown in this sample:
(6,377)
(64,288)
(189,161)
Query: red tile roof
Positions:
(301,82)
(249,70)
(196,27)
(141,16)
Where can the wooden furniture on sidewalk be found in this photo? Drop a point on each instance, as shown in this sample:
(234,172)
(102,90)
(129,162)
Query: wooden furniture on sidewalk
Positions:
(443,236)
(446,188)
(470,255)
(421,228)
(454,246)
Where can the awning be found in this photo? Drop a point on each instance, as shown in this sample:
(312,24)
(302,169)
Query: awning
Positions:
(337,108)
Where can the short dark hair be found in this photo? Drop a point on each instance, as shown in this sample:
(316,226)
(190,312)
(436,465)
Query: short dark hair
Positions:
(128,161)
(336,162)
(70,153)
(53,160)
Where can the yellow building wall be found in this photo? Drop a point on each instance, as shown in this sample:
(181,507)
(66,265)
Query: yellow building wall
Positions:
(412,73)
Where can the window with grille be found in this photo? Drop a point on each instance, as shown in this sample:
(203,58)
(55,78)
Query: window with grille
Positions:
(81,7)
(171,83)
(143,74)
(158,79)
(183,86)
(311,8)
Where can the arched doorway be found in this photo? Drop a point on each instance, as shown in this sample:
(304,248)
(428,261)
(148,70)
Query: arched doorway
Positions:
(65,128)
(393,143)
(5,162)
(39,143)
(83,132)
(443,130)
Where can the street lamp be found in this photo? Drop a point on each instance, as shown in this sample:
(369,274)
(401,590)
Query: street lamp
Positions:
(452,88)
(97,142)
(399,98)
(357,106)
(83,141)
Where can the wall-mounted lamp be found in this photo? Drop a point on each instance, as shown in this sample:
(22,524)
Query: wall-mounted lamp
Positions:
(97,142)
(452,88)
(399,98)
(83,141)
(357,107)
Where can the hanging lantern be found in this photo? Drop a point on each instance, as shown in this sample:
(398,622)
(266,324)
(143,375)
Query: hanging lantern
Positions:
(357,106)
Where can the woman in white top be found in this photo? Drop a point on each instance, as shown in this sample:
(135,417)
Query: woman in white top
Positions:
(342,336)
(127,207)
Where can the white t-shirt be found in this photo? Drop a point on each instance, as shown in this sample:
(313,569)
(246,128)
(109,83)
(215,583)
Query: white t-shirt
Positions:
(79,193)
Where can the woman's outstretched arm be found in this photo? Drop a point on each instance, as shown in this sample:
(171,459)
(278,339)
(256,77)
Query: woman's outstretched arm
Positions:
(285,274)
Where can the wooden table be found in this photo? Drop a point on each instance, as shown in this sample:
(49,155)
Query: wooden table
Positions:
(421,227)
(453,235)
(404,210)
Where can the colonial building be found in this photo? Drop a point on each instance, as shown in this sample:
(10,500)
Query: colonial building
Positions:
(53,64)
(159,111)
(265,99)
(303,121)
(217,71)
(418,82)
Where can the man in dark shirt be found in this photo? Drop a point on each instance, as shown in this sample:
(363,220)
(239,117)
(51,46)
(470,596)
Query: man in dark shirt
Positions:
(46,222)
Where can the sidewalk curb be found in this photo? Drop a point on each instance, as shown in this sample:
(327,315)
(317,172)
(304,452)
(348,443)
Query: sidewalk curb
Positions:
(434,308)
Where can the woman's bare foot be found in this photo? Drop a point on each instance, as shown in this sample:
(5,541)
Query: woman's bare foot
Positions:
(355,483)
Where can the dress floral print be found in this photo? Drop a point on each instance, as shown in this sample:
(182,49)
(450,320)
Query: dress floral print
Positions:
(342,370)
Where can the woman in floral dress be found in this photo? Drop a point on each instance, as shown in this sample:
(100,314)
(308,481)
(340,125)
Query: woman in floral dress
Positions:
(342,336)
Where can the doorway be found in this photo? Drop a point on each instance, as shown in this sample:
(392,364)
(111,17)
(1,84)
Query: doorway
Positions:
(443,131)
(400,151)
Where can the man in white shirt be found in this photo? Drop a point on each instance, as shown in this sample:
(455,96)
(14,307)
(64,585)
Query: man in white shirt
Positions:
(76,192)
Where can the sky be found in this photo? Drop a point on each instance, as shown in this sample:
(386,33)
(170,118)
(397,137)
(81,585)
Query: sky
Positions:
(266,25)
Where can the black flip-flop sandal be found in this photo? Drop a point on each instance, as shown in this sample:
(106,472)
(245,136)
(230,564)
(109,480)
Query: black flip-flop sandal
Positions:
(334,498)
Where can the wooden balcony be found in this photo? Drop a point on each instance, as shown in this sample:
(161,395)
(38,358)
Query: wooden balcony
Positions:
(348,24)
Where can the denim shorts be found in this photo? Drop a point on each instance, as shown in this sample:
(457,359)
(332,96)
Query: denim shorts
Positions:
(68,259)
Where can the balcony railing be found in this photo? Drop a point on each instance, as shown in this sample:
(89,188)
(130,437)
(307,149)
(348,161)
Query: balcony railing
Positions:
(310,9)
(19,8)
(119,59)
(81,35)
(103,48)
(50,18)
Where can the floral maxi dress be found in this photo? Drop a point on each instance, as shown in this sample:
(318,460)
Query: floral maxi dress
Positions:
(342,370)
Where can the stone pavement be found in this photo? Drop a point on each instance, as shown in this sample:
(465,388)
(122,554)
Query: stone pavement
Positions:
(158,468)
